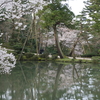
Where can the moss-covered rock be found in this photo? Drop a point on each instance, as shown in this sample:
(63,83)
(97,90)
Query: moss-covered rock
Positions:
(23,58)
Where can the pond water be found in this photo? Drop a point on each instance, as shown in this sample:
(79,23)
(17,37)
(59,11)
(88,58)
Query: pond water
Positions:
(51,81)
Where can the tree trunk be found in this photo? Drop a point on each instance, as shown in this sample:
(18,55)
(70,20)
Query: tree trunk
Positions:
(73,48)
(57,43)
(23,48)
(35,33)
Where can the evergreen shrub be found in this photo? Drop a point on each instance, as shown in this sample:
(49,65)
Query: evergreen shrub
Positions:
(96,59)
(89,55)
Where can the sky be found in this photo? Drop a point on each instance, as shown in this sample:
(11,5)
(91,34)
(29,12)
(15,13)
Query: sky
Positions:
(76,5)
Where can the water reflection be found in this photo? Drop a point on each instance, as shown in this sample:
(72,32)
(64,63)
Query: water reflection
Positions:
(51,81)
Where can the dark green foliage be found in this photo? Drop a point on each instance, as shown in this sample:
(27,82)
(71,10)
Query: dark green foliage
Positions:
(18,47)
(91,50)
(65,49)
(54,57)
(34,58)
(51,50)
(29,55)
(17,44)
(90,55)
(23,58)
(1,41)
(56,13)
(44,55)
(96,59)
(93,10)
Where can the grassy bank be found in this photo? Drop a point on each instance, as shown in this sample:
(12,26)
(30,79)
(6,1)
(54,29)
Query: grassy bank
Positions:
(74,60)
(32,57)
(44,57)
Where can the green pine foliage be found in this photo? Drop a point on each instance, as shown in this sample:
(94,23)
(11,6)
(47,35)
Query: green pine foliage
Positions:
(54,14)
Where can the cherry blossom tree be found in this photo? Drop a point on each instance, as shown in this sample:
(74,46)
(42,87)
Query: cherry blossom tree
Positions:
(7,61)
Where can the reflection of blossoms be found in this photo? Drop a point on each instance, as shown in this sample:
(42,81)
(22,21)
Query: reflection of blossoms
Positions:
(7,61)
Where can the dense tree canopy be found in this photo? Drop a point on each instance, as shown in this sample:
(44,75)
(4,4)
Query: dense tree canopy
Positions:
(91,25)
(54,14)
(93,10)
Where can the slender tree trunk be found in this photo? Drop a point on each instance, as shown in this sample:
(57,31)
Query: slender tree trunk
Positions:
(84,52)
(88,45)
(23,48)
(75,43)
(57,42)
(35,32)
(73,48)
(27,36)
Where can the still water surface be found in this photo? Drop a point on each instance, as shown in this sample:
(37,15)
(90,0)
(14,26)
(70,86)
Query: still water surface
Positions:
(51,81)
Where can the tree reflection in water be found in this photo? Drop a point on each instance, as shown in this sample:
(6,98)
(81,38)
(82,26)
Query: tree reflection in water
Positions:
(51,81)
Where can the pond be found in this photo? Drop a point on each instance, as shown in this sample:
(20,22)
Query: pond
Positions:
(51,81)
